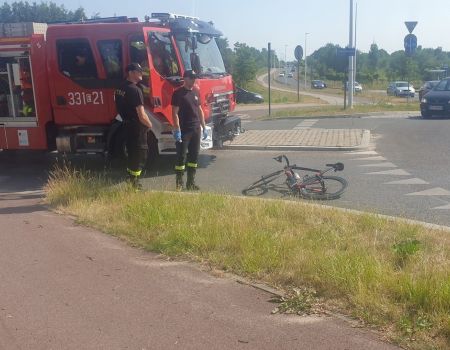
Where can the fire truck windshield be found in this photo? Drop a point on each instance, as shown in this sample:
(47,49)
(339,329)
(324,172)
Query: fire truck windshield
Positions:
(201,53)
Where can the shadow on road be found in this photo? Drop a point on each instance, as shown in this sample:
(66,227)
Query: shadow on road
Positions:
(30,171)
(24,209)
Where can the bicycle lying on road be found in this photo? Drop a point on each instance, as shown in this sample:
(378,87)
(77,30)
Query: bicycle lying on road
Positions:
(310,186)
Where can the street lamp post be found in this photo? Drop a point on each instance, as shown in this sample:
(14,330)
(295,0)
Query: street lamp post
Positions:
(351,60)
(306,63)
(285,65)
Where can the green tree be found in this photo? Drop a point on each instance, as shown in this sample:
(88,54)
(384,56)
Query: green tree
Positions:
(45,12)
(245,65)
(227,54)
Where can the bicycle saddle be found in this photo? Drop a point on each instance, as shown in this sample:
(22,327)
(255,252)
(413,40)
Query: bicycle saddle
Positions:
(337,166)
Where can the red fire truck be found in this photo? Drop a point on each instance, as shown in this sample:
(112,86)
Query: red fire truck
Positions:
(57,81)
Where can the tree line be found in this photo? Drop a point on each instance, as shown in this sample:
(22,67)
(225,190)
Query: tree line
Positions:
(45,12)
(244,61)
(379,65)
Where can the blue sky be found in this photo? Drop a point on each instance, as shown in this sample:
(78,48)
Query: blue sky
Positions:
(285,22)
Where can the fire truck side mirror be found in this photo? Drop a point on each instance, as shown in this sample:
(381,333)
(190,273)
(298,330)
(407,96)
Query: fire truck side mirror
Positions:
(195,63)
(194,42)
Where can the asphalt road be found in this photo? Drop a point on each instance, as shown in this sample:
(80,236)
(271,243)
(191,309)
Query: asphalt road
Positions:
(412,153)
(401,145)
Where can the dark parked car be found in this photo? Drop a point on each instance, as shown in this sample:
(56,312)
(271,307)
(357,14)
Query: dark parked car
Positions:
(437,101)
(318,84)
(244,96)
(427,86)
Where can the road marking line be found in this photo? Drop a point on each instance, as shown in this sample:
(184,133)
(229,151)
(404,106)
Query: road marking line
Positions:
(306,124)
(370,158)
(413,181)
(368,153)
(380,165)
(396,172)
(437,191)
(444,207)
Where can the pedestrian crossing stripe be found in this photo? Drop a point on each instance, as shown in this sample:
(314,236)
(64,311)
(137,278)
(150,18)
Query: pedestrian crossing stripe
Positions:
(306,124)
(412,181)
(380,165)
(444,207)
(396,172)
(437,191)
(380,158)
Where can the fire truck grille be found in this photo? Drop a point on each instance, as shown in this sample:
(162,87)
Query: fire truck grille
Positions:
(220,107)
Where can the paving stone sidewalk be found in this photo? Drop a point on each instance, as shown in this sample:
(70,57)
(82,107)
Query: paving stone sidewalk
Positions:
(303,139)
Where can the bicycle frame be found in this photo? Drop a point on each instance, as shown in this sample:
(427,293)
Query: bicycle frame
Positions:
(289,172)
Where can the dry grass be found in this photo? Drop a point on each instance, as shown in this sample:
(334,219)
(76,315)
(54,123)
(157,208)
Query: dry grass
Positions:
(390,274)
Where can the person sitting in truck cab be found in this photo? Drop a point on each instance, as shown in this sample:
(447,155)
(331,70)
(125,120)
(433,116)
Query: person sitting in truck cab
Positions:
(82,67)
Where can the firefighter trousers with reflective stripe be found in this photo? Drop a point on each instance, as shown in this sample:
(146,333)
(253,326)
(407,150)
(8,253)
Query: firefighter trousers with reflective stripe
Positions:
(137,148)
(188,149)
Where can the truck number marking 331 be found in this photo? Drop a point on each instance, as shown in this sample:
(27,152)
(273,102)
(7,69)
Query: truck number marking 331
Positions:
(82,98)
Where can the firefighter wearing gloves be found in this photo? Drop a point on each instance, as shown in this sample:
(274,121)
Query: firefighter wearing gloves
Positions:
(130,105)
(187,118)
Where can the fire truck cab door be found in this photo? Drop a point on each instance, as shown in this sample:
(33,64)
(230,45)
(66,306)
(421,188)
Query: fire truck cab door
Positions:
(164,67)
(79,95)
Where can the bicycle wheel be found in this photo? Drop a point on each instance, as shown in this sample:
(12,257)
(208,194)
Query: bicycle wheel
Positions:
(259,187)
(326,187)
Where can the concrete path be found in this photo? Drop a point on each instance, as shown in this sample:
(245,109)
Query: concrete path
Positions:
(302,138)
(64,286)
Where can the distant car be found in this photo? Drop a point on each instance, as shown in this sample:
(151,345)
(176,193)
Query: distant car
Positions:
(437,101)
(401,89)
(357,87)
(281,75)
(318,84)
(245,96)
(426,87)
(290,75)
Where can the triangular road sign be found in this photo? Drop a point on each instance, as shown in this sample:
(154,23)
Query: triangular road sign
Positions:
(411,26)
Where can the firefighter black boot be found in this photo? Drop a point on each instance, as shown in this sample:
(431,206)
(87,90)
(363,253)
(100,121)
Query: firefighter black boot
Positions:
(190,184)
(135,182)
(179,180)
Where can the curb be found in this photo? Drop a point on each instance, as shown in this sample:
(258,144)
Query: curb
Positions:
(344,116)
(365,141)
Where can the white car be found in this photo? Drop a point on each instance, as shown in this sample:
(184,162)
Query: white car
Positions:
(356,88)
(401,89)
(281,75)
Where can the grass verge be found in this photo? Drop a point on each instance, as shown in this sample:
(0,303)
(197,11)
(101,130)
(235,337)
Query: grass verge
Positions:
(393,275)
(340,111)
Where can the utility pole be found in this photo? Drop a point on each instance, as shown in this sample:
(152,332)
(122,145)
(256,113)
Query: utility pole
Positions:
(306,58)
(285,65)
(356,21)
(350,61)
(269,65)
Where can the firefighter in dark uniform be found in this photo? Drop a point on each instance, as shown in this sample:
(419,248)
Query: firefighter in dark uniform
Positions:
(130,105)
(187,118)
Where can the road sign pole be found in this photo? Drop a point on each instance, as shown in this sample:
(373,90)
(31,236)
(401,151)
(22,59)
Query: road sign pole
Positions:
(298,80)
(269,46)
(298,53)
